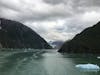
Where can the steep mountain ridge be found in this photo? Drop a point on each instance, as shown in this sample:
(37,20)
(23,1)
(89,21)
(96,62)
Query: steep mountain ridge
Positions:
(14,34)
(88,41)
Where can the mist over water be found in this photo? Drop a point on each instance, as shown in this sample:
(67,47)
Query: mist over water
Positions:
(44,62)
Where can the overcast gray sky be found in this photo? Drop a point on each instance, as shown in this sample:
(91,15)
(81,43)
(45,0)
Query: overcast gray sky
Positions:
(53,19)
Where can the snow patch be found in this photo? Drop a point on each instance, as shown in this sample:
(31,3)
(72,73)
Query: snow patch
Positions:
(88,67)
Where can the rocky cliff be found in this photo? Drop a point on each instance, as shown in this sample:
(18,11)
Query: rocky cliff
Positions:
(16,35)
(88,41)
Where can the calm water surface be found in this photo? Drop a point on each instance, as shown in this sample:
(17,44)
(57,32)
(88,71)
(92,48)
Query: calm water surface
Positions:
(42,62)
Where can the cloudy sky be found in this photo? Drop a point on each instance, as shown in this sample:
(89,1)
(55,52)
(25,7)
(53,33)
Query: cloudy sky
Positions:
(53,19)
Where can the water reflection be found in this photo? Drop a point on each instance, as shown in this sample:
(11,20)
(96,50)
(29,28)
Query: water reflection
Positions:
(44,63)
(14,61)
(59,65)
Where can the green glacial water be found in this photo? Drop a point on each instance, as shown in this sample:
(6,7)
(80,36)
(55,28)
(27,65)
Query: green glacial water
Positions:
(45,62)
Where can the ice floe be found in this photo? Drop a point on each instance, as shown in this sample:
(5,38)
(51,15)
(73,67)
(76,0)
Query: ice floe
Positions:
(88,67)
(98,57)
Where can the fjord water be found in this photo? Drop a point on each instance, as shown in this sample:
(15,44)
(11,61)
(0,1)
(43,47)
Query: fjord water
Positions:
(44,62)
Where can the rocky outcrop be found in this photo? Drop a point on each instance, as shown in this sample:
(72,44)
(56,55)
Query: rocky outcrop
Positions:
(16,35)
(88,41)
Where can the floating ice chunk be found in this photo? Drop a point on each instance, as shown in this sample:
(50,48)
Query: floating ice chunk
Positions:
(88,67)
(98,57)
(35,56)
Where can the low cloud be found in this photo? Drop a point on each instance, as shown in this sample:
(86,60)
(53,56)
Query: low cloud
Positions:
(53,19)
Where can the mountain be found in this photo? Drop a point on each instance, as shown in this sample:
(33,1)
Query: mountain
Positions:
(88,41)
(16,35)
(56,44)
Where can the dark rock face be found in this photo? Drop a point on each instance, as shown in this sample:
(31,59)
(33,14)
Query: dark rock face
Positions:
(88,41)
(16,35)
